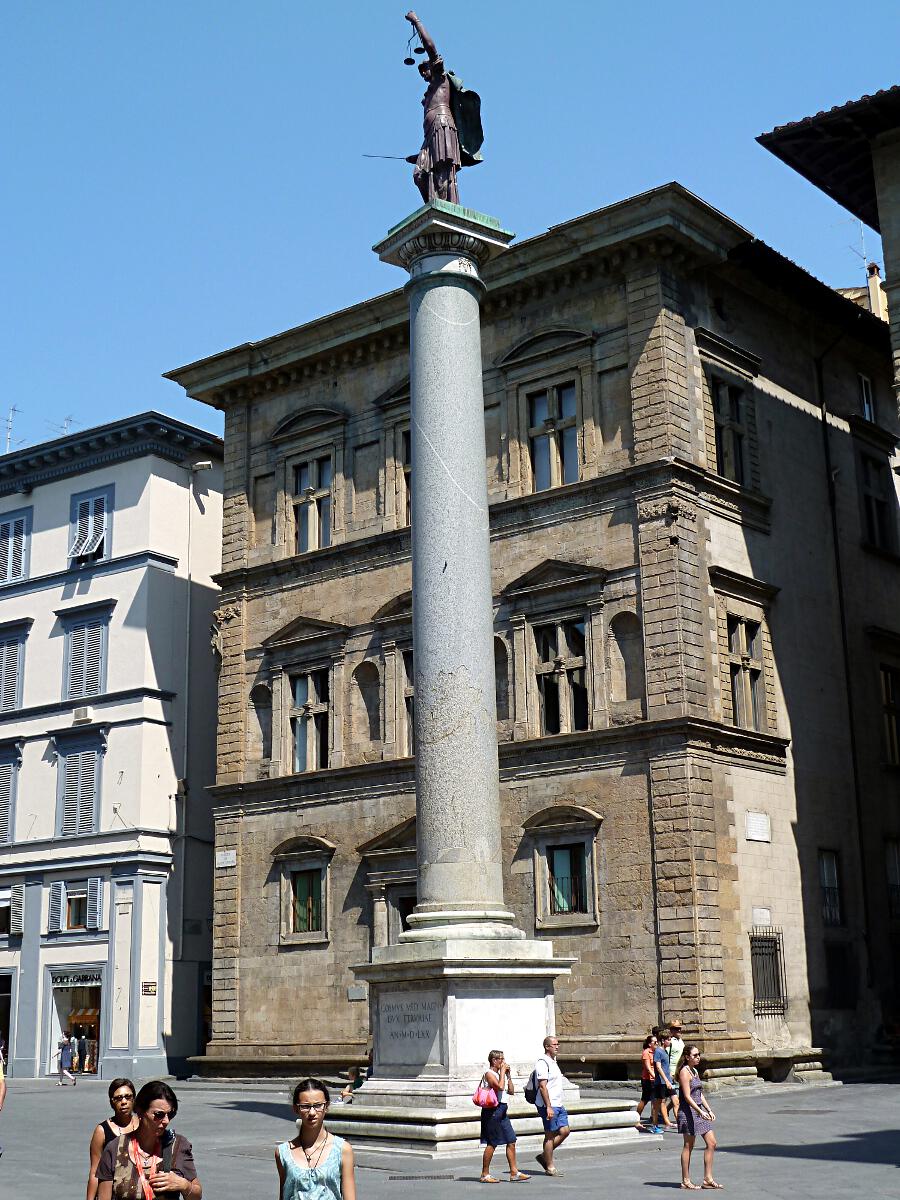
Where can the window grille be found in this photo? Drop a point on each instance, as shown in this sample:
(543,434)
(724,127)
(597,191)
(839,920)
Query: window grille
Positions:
(767,968)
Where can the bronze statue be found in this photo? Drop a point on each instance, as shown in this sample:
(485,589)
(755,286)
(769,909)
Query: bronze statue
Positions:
(452,126)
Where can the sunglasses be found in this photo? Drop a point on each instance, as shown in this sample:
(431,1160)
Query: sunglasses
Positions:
(123,1096)
(159,1116)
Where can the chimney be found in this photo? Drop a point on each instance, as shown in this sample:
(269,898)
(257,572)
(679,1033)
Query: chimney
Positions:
(877,304)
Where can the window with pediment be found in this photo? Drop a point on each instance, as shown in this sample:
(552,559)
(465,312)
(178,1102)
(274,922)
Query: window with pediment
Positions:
(304,665)
(309,455)
(563,840)
(553,620)
(746,662)
(549,379)
(303,866)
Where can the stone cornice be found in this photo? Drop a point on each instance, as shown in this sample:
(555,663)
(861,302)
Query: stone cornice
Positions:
(562,754)
(148,433)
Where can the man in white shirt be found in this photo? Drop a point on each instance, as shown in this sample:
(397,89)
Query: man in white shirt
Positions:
(549,1102)
(676,1049)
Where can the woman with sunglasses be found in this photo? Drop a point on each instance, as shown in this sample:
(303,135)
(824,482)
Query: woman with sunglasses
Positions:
(150,1161)
(695,1117)
(123,1120)
(315,1165)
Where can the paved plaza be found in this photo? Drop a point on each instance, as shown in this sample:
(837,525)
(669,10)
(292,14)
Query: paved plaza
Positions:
(792,1142)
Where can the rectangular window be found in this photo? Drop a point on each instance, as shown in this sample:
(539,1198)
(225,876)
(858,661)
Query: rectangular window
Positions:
(553,436)
(90,526)
(306,901)
(878,502)
(731,430)
(767,969)
(561,677)
(9,767)
(866,397)
(405,477)
(892,856)
(312,504)
(309,720)
(829,881)
(568,878)
(745,665)
(12,656)
(79,770)
(15,544)
(84,657)
(409,704)
(890,707)
(76,907)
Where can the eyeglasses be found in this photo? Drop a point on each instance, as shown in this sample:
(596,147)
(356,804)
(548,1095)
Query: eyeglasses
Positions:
(158,1116)
(308,1108)
(123,1096)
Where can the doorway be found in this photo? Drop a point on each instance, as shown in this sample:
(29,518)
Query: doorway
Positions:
(75,1011)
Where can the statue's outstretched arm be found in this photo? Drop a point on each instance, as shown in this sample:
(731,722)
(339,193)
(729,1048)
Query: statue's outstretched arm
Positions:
(430,48)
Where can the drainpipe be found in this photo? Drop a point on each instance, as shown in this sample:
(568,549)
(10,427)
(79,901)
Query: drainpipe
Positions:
(818,360)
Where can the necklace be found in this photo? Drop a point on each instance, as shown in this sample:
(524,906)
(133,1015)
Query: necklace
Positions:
(308,1154)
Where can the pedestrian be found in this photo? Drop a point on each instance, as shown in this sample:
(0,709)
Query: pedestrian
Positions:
(695,1117)
(64,1056)
(150,1161)
(648,1077)
(549,1101)
(316,1164)
(357,1076)
(664,1085)
(123,1120)
(82,1052)
(676,1049)
(496,1127)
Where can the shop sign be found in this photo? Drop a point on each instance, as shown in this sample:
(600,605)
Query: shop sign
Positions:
(69,979)
(148,987)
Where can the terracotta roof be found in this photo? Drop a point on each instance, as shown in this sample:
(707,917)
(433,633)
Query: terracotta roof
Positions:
(833,149)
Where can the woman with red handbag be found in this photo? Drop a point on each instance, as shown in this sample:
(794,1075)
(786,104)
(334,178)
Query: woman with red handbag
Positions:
(496,1128)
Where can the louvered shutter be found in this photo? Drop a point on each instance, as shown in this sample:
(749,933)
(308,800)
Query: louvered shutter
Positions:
(71,767)
(97,525)
(77,637)
(95,902)
(12,549)
(82,529)
(9,673)
(87,783)
(54,921)
(17,908)
(93,650)
(6,792)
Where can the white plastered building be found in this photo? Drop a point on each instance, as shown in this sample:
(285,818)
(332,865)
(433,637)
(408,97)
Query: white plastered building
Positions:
(109,542)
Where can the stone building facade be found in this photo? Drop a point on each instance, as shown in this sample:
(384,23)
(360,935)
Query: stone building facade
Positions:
(674,436)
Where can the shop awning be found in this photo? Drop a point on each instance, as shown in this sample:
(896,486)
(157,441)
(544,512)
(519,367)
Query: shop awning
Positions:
(84,1016)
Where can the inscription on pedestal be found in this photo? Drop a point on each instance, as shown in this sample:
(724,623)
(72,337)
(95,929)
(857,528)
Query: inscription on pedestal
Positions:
(409,1027)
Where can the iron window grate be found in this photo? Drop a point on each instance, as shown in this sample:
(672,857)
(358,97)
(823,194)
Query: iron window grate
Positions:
(767,967)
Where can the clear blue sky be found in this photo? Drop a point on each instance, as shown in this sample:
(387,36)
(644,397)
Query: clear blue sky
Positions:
(182,177)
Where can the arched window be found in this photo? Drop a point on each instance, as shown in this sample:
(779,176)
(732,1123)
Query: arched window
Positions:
(366,704)
(261,699)
(501,674)
(626,658)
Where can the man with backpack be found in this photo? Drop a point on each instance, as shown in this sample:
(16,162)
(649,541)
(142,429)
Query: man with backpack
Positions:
(545,1090)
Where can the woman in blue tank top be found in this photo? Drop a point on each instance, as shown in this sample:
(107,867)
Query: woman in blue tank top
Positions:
(315,1165)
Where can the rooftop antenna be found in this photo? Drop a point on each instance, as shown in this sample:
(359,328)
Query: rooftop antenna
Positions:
(861,253)
(9,426)
(66,423)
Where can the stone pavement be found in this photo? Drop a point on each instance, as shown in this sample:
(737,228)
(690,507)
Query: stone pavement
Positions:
(793,1142)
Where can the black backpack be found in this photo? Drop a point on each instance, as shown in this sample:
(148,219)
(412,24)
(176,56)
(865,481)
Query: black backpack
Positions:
(531,1087)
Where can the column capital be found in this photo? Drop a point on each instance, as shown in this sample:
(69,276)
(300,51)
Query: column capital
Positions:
(440,237)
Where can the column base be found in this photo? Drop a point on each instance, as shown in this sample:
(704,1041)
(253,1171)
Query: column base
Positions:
(436,1132)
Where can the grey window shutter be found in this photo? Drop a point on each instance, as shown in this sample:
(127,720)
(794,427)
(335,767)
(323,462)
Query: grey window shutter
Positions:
(17,908)
(75,686)
(95,902)
(97,524)
(71,770)
(87,786)
(12,549)
(6,790)
(9,673)
(82,529)
(93,649)
(54,923)
(5,549)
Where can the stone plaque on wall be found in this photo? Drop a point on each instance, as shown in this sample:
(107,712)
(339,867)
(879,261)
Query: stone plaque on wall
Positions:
(409,1028)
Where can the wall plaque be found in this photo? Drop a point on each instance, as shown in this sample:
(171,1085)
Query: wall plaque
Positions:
(148,987)
(409,1027)
(226,858)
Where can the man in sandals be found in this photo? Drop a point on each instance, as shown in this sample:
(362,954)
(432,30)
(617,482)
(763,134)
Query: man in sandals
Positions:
(549,1102)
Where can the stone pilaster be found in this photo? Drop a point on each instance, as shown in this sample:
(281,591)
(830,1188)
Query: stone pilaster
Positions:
(226,936)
